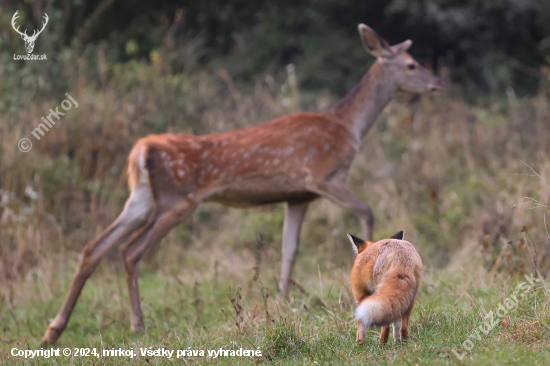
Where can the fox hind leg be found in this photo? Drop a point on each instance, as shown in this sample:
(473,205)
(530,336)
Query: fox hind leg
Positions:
(396,325)
(405,323)
(361,332)
(384,335)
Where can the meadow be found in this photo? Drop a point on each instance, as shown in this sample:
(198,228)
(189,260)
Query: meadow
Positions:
(453,175)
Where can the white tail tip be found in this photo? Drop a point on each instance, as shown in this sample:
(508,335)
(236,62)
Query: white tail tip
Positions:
(368,311)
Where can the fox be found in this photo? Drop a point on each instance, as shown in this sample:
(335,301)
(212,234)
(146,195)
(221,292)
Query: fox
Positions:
(385,279)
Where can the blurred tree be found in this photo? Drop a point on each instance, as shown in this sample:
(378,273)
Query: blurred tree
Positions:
(490,45)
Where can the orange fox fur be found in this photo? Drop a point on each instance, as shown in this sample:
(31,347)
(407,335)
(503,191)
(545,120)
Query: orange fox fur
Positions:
(384,280)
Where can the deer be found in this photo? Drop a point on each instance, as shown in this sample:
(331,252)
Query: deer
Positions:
(29,40)
(293,159)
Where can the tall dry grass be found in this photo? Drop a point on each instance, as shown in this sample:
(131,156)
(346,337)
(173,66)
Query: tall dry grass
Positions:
(447,172)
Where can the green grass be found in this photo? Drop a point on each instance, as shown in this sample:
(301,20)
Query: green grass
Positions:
(192,310)
(446,172)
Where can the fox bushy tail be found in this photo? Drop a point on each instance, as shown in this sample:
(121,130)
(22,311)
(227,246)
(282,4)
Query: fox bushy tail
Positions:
(393,296)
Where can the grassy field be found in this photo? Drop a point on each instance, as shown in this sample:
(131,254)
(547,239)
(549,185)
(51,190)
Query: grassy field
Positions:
(192,309)
(449,173)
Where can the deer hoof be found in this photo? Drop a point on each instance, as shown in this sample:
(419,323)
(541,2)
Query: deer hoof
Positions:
(138,327)
(51,336)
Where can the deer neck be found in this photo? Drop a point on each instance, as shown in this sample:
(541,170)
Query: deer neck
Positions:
(360,108)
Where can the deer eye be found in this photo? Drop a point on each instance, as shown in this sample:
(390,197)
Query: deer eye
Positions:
(411,66)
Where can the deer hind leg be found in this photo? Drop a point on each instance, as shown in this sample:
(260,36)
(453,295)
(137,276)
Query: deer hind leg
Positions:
(294,216)
(137,211)
(339,194)
(133,252)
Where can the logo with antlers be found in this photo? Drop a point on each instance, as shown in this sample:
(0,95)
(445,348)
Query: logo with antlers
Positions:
(29,40)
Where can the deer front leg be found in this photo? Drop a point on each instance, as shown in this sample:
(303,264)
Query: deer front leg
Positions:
(339,194)
(294,215)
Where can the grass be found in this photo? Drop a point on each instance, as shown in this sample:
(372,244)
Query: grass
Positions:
(447,172)
(195,311)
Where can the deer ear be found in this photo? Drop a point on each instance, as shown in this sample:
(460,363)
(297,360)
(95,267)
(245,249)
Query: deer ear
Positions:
(401,47)
(398,235)
(355,243)
(373,43)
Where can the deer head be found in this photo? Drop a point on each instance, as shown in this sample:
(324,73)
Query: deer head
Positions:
(29,40)
(408,74)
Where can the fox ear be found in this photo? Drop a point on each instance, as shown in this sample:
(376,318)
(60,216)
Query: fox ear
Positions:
(355,242)
(398,235)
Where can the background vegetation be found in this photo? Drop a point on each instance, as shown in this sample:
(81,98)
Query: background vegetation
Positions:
(448,169)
